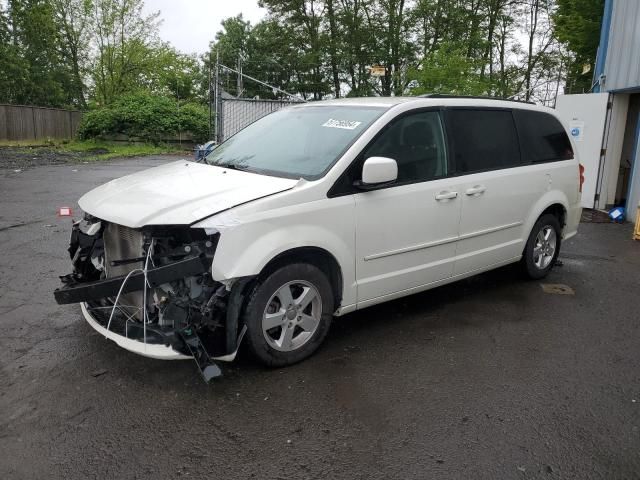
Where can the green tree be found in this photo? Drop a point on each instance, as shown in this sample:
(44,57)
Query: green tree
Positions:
(13,67)
(34,56)
(448,70)
(124,40)
(173,73)
(577,26)
(356,46)
(274,58)
(305,18)
(72,18)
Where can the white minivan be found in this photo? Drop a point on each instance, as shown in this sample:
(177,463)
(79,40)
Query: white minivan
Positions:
(315,211)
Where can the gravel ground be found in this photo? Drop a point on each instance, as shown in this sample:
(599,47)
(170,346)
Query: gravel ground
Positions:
(489,378)
(22,158)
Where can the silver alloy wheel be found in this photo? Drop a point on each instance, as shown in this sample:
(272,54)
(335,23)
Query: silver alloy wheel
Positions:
(292,315)
(545,247)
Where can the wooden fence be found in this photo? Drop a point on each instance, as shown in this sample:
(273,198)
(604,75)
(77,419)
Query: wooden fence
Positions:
(21,122)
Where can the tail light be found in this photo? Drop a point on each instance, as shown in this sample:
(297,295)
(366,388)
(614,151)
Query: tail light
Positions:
(581,169)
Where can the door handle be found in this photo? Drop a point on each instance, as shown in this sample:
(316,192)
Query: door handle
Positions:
(446,195)
(476,190)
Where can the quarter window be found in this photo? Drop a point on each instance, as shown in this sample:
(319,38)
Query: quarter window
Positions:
(542,136)
(483,139)
(416,143)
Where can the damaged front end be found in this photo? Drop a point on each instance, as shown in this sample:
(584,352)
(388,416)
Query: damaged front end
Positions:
(151,291)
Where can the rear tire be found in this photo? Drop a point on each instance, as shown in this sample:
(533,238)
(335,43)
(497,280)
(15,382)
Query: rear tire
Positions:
(542,247)
(288,314)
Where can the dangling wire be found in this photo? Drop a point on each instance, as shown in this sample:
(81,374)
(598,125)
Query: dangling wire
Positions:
(115,303)
(144,296)
(144,292)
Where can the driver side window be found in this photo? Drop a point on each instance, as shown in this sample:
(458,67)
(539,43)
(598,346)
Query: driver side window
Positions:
(416,142)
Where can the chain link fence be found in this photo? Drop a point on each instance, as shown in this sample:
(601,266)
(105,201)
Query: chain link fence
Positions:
(237,113)
(235,110)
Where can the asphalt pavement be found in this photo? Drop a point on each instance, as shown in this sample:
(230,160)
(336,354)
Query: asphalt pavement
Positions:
(491,377)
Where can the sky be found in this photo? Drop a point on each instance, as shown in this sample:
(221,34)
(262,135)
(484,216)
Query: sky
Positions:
(189,25)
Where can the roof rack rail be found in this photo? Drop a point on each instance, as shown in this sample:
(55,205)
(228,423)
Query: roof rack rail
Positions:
(479,97)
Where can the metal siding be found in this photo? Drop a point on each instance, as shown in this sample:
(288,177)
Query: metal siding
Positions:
(601,54)
(622,67)
(633,195)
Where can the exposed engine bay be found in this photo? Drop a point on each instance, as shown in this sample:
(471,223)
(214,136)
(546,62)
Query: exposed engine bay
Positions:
(153,285)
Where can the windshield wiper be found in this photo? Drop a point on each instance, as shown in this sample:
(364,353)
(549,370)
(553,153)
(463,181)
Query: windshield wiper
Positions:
(231,166)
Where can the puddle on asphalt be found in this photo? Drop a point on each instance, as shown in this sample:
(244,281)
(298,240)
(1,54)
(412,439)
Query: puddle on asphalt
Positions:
(557,289)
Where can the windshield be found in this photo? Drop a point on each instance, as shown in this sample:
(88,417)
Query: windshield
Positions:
(295,142)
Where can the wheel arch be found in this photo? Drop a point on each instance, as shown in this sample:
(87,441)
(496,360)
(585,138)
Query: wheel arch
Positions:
(554,202)
(557,210)
(316,256)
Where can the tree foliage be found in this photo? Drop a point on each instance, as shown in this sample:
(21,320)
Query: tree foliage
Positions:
(95,52)
(148,117)
(325,48)
(33,66)
(68,53)
(577,26)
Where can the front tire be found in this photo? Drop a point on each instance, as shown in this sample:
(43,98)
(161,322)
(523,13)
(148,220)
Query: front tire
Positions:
(542,248)
(288,314)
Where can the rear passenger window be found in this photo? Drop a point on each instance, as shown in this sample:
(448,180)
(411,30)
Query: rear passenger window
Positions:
(542,136)
(483,139)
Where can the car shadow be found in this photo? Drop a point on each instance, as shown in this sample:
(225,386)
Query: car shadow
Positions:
(469,301)
(489,286)
(422,315)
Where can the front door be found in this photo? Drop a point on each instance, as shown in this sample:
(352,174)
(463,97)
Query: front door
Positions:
(406,234)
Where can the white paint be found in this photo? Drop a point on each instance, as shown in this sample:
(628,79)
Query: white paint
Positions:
(388,243)
(379,170)
(588,110)
(151,350)
(177,193)
(390,223)
(160,352)
(400,240)
(94,228)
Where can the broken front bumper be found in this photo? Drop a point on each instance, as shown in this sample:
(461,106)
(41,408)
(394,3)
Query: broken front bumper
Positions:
(151,350)
(151,292)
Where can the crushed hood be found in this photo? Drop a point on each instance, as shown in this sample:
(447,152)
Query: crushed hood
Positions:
(178,193)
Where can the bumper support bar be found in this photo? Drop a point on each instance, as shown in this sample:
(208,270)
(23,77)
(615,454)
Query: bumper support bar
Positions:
(86,291)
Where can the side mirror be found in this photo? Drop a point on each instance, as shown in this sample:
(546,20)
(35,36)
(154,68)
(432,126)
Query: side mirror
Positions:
(378,171)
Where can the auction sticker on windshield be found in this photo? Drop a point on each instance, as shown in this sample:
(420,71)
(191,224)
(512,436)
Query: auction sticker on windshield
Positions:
(346,124)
